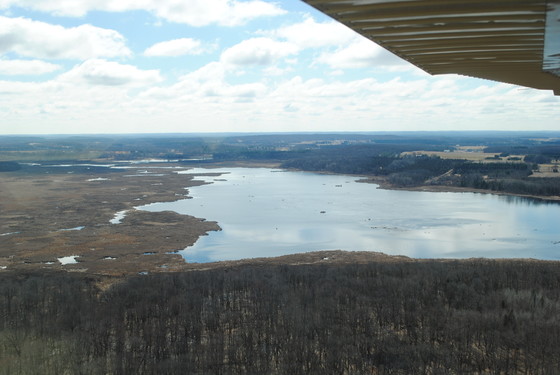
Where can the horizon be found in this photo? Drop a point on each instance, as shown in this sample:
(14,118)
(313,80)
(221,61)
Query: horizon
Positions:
(271,133)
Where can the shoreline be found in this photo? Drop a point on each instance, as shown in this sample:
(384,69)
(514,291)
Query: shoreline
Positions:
(383,184)
(43,211)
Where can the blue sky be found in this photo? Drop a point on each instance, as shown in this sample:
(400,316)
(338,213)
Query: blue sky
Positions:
(155,66)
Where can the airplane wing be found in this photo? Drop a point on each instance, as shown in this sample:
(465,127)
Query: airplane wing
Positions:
(513,41)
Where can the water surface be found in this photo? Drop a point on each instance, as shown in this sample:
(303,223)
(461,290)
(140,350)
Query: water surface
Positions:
(267,212)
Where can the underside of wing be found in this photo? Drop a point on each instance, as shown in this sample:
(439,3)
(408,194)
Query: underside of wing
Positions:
(513,41)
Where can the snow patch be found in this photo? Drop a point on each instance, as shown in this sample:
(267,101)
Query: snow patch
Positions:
(68,260)
(75,228)
(118,217)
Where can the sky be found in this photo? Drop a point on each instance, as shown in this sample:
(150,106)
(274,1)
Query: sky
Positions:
(184,66)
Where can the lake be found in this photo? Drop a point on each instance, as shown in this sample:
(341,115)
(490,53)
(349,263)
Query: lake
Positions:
(270,212)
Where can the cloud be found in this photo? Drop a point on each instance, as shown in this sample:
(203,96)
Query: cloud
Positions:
(109,73)
(76,8)
(37,39)
(176,47)
(205,100)
(362,53)
(221,12)
(26,67)
(312,34)
(208,83)
(191,12)
(342,47)
(257,51)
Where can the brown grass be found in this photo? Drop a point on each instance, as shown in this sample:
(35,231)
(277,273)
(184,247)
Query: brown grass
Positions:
(483,157)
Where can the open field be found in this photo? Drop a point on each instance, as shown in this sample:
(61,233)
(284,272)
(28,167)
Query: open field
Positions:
(547,170)
(462,154)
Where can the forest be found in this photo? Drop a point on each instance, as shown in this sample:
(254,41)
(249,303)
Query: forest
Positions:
(517,155)
(397,317)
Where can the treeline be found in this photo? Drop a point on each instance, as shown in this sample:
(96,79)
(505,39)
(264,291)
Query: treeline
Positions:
(417,170)
(377,159)
(506,177)
(452,317)
(537,186)
(343,158)
(494,170)
(539,153)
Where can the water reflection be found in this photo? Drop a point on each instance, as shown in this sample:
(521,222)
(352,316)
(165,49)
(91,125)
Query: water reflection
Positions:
(530,201)
(270,214)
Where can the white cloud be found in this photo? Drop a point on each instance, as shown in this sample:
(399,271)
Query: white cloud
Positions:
(221,12)
(209,72)
(206,84)
(110,73)
(276,71)
(312,34)
(191,12)
(176,47)
(362,53)
(204,100)
(257,51)
(342,47)
(26,67)
(30,38)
